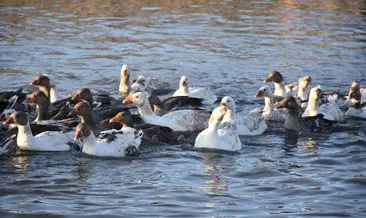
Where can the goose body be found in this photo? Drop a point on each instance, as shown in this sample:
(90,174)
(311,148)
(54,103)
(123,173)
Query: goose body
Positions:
(179,120)
(218,136)
(111,143)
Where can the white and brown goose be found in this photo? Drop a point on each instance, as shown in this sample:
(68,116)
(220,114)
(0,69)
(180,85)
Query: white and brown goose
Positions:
(179,120)
(45,141)
(110,144)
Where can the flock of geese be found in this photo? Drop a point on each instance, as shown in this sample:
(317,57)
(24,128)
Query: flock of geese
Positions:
(100,125)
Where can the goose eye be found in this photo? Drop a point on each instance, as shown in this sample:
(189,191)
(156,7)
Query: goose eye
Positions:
(137,96)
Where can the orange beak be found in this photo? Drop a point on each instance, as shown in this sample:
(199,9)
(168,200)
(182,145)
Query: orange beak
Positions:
(115,119)
(223,109)
(281,105)
(259,94)
(75,97)
(78,135)
(128,100)
(9,121)
(30,99)
(268,79)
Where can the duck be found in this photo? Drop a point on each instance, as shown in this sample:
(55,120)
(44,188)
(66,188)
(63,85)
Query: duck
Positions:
(44,84)
(179,120)
(251,123)
(124,84)
(161,107)
(194,92)
(218,136)
(45,141)
(295,122)
(153,134)
(329,110)
(269,112)
(110,144)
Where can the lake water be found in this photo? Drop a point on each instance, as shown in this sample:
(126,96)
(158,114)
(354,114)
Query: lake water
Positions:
(228,46)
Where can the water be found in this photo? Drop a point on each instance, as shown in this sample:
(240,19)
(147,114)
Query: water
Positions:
(228,46)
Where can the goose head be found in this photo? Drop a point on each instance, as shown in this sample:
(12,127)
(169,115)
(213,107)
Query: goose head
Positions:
(39,98)
(18,117)
(83,94)
(124,118)
(304,81)
(228,102)
(125,73)
(82,130)
(82,109)
(124,84)
(289,103)
(354,91)
(140,84)
(184,84)
(137,99)
(42,81)
(274,76)
(264,91)
(315,94)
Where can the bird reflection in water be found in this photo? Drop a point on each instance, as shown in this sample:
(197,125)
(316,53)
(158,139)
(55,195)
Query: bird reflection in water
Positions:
(20,162)
(311,144)
(214,185)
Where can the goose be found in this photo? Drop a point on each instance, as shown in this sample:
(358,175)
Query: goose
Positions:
(112,144)
(141,85)
(303,90)
(124,84)
(161,107)
(44,84)
(295,122)
(218,136)
(104,107)
(152,134)
(277,79)
(249,124)
(86,115)
(354,102)
(269,113)
(199,92)
(355,95)
(179,120)
(45,141)
(329,110)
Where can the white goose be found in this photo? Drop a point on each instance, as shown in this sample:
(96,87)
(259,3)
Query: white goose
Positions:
(111,143)
(179,120)
(250,124)
(124,84)
(217,136)
(140,85)
(330,110)
(194,92)
(269,113)
(45,141)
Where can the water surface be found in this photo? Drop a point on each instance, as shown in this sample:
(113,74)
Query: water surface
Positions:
(228,46)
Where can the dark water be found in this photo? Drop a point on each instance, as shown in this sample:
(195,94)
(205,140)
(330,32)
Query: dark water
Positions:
(227,45)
